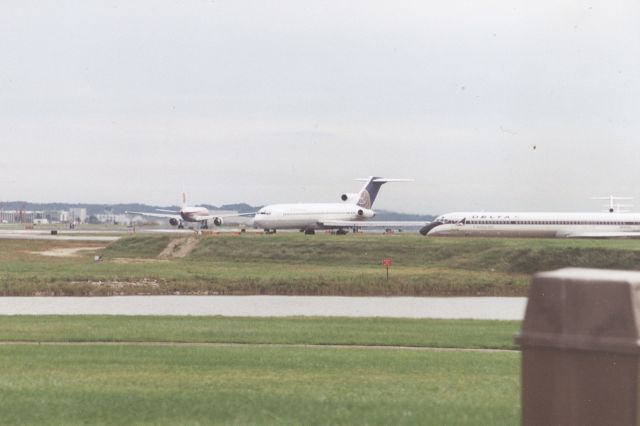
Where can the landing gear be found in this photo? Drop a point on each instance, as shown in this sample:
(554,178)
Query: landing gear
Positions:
(180,226)
(341,231)
(204,225)
(309,231)
(269,231)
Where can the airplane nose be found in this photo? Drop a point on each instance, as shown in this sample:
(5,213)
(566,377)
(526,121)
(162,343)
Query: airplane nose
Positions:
(425,229)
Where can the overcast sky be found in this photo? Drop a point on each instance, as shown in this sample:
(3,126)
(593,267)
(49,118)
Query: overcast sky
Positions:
(489,105)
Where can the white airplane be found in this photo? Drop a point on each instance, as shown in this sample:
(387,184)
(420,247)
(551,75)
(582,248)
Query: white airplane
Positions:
(353,212)
(200,215)
(529,224)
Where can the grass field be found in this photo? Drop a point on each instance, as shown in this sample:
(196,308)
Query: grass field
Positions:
(178,383)
(291,263)
(304,330)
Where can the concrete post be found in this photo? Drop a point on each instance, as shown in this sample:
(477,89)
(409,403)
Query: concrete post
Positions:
(581,348)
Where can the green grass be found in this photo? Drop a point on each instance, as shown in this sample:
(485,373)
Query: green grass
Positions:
(143,247)
(126,383)
(295,264)
(303,330)
(254,385)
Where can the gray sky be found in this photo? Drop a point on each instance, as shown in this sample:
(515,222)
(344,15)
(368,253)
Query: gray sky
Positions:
(289,101)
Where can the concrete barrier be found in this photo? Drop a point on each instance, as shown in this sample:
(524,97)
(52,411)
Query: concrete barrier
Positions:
(580,348)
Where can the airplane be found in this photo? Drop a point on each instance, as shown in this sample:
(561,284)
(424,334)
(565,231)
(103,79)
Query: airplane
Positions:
(352,213)
(531,224)
(190,214)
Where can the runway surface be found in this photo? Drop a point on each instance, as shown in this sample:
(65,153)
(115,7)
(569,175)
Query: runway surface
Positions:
(15,234)
(106,235)
(499,308)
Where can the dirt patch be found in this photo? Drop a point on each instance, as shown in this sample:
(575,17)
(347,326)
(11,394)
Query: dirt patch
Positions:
(126,260)
(179,247)
(65,252)
(120,284)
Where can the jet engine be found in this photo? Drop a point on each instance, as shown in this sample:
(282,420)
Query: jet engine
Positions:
(218,221)
(174,222)
(353,197)
(366,213)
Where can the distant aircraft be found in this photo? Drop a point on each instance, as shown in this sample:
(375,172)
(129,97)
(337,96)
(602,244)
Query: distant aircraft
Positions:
(352,213)
(529,224)
(190,214)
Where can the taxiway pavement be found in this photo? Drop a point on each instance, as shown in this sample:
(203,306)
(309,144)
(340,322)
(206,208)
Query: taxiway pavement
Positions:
(498,308)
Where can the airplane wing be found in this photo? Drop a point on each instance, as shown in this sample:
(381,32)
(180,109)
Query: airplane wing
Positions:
(160,215)
(222,216)
(177,215)
(237,214)
(371,224)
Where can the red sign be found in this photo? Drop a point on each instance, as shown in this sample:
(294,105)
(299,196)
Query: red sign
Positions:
(387,262)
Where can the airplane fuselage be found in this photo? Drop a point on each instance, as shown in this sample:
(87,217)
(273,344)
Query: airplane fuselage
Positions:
(308,216)
(527,224)
(194,214)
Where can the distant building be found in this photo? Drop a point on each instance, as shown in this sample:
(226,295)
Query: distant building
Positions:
(115,219)
(78,215)
(16,216)
(63,216)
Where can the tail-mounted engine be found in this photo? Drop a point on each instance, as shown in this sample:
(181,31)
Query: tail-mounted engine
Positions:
(366,213)
(351,197)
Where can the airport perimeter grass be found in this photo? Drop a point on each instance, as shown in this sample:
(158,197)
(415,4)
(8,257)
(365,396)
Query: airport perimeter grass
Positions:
(295,264)
(291,330)
(254,385)
(127,383)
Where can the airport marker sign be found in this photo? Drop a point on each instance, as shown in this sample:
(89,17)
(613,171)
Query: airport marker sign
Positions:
(387,261)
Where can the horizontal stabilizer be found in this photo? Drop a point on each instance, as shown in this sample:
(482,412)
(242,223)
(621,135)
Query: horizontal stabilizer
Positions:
(385,180)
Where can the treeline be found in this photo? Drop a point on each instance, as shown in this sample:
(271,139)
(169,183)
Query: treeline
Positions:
(93,209)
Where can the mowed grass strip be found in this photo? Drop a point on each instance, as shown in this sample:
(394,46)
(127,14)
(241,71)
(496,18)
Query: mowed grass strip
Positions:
(295,264)
(254,385)
(290,330)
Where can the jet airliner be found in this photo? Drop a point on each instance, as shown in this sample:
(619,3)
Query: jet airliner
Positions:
(530,224)
(187,213)
(352,213)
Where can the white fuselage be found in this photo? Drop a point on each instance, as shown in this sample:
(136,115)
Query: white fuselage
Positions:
(308,216)
(528,224)
(194,214)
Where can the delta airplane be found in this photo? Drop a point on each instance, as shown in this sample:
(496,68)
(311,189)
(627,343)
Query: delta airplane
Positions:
(190,214)
(353,212)
(529,224)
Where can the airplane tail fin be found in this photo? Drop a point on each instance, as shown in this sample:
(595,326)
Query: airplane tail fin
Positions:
(369,191)
(184,200)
